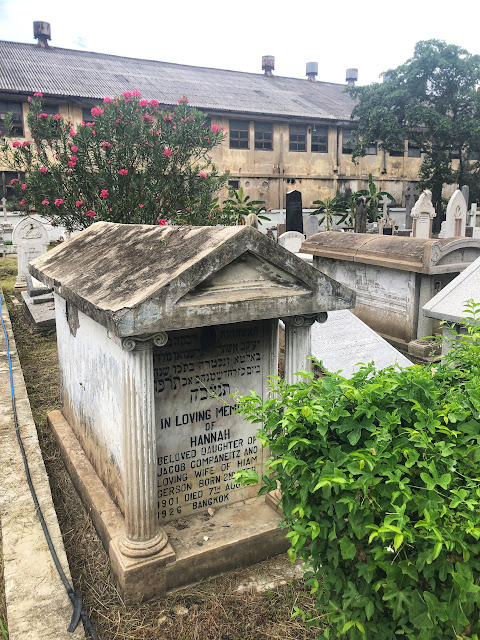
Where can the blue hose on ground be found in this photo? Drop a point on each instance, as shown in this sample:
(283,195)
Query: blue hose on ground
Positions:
(75,596)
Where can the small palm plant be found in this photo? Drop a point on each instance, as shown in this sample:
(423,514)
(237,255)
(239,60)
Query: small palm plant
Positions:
(336,206)
(373,198)
(239,206)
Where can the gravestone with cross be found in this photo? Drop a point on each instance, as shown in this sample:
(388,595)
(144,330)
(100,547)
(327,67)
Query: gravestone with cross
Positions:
(423,213)
(456,217)
(386,224)
(411,194)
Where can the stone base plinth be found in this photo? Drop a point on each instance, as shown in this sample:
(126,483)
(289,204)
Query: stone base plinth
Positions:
(40,317)
(425,349)
(200,546)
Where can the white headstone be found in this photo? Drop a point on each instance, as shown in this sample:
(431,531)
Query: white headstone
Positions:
(423,213)
(291,240)
(456,219)
(32,241)
(344,341)
(311,226)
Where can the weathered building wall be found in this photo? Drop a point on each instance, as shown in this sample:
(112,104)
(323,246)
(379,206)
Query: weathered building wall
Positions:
(268,174)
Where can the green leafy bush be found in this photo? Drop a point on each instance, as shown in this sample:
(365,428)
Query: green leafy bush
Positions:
(380,481)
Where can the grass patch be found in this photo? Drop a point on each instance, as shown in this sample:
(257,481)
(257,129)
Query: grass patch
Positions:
(8,274)
(213,610)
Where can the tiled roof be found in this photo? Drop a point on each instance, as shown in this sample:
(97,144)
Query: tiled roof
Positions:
(27,68)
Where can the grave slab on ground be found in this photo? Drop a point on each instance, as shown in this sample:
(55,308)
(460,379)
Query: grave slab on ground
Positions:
(344,341)
(158,329)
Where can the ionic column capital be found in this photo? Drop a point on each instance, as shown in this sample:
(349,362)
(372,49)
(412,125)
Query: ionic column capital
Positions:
(141,343)
(305,320)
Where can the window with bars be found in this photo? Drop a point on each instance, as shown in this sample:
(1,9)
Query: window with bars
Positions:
(87,115)
(51,109)
(413,151)
(347,146)
(298,137)
(264,136)
(6,188)
(319,139)
(15,108)
(234,184)
(239,130)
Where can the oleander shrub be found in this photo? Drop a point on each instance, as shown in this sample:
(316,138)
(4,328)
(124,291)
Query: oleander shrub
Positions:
(380,482)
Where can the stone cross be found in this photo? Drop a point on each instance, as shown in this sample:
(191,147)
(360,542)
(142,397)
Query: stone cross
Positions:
(473,220)
(456,218)
(385,202)
(423,213)
(410,194)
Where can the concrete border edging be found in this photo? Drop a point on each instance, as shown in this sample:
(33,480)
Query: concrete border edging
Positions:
(38,607)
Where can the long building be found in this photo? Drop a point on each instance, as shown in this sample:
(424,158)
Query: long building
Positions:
(283,133)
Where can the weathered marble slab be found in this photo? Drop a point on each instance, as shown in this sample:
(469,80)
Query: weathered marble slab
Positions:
(201,442)
(344,341)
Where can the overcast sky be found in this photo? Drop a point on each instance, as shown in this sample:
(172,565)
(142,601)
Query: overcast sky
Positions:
(372,35)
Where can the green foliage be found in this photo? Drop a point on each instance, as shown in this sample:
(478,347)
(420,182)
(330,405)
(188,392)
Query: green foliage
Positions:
(336,206)
(373,197)
(133,163)
(432,101)
(380,481)
(238,206)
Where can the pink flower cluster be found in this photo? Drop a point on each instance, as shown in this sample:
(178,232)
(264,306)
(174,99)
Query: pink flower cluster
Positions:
(78,203)
(132,94)
(42,170)
(154,103)
(123,172)
(57,116)
(105,145)
(167,152)
(14,180)
(74,148)
(24,186)
(45,202)
(43,116)
(38,95)
(96,111)
(202,175)
(90,214)
(215,128)
(107,99)
(184,99)
(162,222)
(16,144)
(143,103)
(104,193)
(58,202)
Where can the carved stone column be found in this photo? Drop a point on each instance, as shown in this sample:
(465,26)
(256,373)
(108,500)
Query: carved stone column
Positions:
(143,536)
(298,343)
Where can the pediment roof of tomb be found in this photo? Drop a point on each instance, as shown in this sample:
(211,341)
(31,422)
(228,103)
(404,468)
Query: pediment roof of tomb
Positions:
(139,279)
(420,255)
(448,304)
(67,73)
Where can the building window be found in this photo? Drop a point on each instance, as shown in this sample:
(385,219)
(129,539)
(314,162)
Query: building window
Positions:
(399,151)
(15,108)
(207,124)
(234,184)
(319,139)
(372,150)
(51,109)
(86,114)
(413,151)
(298,137)
(239,130)
(264,136)
(347,146)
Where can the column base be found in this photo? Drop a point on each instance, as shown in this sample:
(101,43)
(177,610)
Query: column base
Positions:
(143,549)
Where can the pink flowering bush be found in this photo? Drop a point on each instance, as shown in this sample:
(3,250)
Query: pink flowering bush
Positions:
(133,163)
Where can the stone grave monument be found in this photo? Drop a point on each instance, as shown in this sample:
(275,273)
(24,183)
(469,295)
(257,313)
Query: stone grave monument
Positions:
(456,219)
(311,226)
(32,241)
(393,277)
(474,214)
(294,217)
(423,214)
(158,328)
(361,211)
(386,225)
(291,240)
(449,303)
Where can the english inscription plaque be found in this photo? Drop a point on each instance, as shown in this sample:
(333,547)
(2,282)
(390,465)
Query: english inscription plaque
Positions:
(201,441)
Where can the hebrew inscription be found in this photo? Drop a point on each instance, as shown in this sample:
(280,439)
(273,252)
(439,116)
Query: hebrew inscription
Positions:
(201,442)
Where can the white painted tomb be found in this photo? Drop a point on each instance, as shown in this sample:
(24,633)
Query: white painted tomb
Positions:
(157,327)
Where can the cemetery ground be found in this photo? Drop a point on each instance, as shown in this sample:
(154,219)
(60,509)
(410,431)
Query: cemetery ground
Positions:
(249,604)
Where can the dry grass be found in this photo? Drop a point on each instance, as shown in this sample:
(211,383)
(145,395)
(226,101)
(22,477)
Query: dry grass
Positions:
(212,610)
